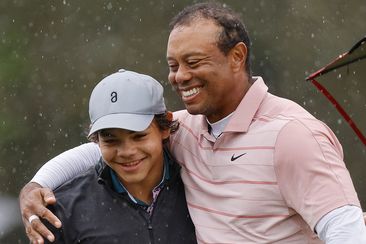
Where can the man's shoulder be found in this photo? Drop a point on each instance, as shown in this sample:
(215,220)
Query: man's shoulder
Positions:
(282,108)
(290,118)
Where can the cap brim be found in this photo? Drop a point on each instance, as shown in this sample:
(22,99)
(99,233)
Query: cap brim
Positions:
(133,122)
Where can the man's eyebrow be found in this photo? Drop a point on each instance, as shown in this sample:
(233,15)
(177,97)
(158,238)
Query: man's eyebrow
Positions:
(170,58)
(193,53)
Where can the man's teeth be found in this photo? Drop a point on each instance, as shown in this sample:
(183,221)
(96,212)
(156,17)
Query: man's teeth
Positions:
(191,92)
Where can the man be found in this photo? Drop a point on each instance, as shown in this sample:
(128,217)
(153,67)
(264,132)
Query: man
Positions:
(135,193)
(256,168)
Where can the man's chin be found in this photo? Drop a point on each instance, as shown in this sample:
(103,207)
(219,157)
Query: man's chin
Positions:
(194,110)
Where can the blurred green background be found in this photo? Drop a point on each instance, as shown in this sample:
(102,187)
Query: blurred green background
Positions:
(52,53)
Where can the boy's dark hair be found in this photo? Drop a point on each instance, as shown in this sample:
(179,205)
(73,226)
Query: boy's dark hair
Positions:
(233,29)
(165,121)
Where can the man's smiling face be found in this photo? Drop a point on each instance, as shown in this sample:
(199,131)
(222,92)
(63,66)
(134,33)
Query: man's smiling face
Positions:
(201,74)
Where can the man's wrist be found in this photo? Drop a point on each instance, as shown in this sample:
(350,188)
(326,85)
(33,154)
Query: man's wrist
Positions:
(29,187)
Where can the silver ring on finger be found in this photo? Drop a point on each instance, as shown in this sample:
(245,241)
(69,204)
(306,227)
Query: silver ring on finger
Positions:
(32,217)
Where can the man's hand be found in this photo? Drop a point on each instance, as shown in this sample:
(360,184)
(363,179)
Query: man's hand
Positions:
(33,200)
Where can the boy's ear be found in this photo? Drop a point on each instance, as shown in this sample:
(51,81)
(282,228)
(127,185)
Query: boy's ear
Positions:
(169,115)
(166,133)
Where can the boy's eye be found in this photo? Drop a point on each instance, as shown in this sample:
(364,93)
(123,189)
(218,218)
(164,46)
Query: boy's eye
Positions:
(108,139)
(105,136)
(140,135)
(105,133)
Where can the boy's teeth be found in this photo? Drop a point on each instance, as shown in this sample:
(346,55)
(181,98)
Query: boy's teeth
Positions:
(190,92)
(132,163)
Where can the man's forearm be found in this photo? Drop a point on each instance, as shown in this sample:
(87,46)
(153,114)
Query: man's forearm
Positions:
(67,165)
(342,226)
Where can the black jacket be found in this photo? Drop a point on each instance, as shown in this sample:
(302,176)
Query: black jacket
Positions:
(92,212)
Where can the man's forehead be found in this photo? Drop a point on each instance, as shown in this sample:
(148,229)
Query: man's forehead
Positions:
(194,34)
(192,38)
(197,25)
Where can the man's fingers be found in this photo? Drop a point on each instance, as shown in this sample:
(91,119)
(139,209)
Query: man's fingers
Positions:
(35,204)
(42,212)
(46,214)
(48,196)
(33,236)
(364,216)
(33,200)
(36,230)
(39,230)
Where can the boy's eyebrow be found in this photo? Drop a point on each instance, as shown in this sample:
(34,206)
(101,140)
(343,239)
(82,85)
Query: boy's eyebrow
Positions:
(105,132)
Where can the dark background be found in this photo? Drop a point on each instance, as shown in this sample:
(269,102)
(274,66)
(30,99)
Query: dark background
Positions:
(52,53)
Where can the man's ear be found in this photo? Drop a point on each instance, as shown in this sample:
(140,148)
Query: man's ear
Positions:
(238,55)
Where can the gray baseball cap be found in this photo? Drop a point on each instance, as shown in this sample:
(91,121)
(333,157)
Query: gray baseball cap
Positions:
(125,100)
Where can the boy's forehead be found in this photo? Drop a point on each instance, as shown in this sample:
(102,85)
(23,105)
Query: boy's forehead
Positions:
(114,131)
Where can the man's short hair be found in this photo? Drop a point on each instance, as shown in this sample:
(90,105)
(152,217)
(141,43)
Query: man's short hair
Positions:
(233,29)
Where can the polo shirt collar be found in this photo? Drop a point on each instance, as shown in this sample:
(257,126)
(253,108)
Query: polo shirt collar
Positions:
(244,114)
(248,107)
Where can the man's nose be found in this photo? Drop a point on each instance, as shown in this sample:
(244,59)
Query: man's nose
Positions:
(183,74)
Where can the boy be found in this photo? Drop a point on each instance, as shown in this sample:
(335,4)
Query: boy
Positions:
(135,193)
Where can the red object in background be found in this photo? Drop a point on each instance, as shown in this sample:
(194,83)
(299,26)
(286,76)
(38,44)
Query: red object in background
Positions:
(343,82)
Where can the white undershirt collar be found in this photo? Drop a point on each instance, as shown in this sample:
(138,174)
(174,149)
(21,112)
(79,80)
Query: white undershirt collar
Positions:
(218,127)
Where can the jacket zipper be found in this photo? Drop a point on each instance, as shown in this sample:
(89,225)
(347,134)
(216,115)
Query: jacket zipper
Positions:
(149,225)
(151,233)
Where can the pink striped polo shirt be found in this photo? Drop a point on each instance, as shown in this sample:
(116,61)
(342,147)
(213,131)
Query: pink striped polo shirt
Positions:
(270,176)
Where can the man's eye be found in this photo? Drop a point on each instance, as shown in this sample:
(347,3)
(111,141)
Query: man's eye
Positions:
(193,62)
(173,67)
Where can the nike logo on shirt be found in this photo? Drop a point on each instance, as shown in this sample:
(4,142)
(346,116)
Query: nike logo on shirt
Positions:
(233,158)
